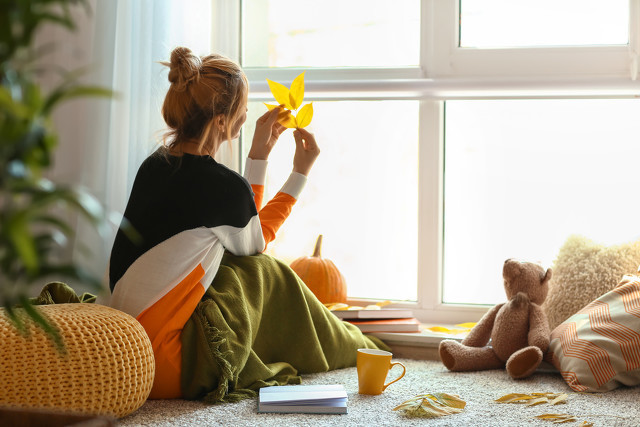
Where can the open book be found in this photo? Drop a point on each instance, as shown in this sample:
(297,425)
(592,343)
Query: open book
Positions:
(310,399)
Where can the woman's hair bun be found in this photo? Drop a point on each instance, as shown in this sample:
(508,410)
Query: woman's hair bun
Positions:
(183,68)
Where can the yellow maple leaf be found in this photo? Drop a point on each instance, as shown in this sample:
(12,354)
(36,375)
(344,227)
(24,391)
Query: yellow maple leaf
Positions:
(291,99)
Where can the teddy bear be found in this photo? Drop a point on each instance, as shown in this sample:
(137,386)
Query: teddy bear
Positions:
(518,329)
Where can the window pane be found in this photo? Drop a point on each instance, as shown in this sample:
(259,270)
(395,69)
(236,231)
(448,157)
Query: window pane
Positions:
(523,175)
(522,23)
(361,194)
(331,33)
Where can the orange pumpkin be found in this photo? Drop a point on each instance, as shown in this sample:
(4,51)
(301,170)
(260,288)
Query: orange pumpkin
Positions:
(321,276)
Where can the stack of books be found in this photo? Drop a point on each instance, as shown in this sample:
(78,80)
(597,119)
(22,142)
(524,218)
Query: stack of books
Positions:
(307,399)
(381,320)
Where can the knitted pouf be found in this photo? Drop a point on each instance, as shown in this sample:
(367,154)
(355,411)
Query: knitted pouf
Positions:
(108,367)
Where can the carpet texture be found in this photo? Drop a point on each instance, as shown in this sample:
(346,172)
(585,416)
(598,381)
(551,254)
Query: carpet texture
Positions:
(615,408)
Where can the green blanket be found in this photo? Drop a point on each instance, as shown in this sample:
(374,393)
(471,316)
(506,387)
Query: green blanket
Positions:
(259,325)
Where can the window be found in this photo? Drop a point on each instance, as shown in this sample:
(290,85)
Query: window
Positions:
(522,175)
(425,137)
(331,33)
(365,207)
(521,23)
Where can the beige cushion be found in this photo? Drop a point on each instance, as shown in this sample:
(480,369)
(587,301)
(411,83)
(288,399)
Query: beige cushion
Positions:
(598,348)
(108,369)
(584,270)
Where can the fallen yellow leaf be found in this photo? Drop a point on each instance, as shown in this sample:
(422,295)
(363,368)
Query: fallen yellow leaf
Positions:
(432,405)
(336,305)
(383,303)
(537,401)
(561,398)
(514,398)
(439,329)
(467,325)
(534,398)
(557,418)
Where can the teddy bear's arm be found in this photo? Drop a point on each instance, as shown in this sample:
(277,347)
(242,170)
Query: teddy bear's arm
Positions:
(480,334)
(539,332)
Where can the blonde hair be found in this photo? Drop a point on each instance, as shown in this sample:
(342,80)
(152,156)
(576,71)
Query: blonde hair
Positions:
(202,88)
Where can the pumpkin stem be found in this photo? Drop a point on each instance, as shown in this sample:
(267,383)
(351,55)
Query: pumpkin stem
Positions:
(316,251)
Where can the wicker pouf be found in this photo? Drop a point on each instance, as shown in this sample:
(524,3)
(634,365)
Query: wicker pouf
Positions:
(108,368)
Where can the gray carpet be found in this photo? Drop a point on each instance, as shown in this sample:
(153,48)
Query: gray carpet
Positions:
(619,407)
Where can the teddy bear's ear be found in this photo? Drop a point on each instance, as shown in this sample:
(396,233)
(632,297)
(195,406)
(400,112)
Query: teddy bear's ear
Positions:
(547,276)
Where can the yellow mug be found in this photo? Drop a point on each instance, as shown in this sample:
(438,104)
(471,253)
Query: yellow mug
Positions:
(373,366)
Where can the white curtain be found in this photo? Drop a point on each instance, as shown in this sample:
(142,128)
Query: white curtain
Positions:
(103,142)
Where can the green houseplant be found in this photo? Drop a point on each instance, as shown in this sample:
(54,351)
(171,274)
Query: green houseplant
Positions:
(34,211)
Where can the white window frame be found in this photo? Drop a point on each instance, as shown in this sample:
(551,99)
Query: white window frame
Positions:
(447,72)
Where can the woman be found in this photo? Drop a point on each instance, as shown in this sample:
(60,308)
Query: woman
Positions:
(188,210)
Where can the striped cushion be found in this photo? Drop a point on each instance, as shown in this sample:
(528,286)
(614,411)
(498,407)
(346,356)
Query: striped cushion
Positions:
(598,348)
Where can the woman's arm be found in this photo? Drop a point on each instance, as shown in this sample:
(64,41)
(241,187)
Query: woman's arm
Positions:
(268,130)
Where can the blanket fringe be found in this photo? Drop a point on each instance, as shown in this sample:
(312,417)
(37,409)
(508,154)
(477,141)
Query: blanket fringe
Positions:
(216,342)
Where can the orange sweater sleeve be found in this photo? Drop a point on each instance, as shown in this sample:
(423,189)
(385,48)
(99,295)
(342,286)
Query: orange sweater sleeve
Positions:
(258,195)
(278,209)
(273,215)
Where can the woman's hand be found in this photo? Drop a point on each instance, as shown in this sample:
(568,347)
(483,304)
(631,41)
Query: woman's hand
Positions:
(267,132)
(307,151)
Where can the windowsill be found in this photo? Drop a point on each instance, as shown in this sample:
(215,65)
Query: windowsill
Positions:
(424,338)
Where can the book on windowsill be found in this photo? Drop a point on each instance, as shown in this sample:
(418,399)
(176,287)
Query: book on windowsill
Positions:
(383,313)
(307,399)
(409,324)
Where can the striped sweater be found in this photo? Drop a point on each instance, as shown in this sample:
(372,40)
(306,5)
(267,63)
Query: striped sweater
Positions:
(187,210)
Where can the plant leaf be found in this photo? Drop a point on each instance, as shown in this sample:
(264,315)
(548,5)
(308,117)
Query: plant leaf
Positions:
(439,329)
(280,93)
(537,401)
(432,405)
(467,325)
(296,93)
(287,120)
(65,93)
(23,242)
(514,398)
(534,398)
(557,418)
(52,332)
(450,400)
(304,116)
(15,319)
(561,398)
